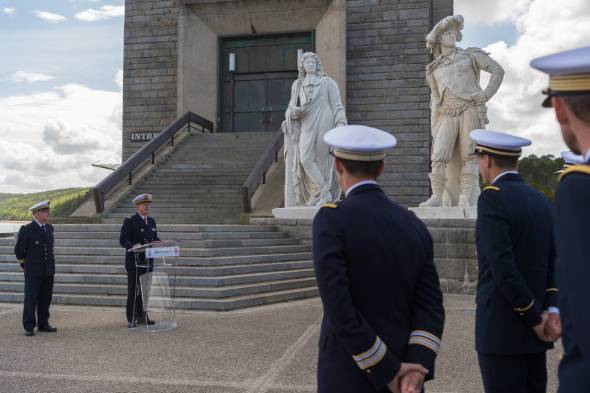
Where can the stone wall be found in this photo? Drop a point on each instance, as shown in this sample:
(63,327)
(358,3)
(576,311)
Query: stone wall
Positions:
(150,66)
(455,253)
(386,62)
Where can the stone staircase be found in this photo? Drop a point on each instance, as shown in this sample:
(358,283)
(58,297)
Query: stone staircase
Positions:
(221,267)
(200,182)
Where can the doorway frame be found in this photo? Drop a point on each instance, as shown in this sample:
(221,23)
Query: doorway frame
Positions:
(220,61)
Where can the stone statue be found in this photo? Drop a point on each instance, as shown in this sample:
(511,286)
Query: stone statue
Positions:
(458,107)
(315,108)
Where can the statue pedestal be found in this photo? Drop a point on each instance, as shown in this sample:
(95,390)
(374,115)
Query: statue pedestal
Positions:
(445,212)
(296,213)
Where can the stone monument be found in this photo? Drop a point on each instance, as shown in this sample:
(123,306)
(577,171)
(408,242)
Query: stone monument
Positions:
(457,107)
(315,107)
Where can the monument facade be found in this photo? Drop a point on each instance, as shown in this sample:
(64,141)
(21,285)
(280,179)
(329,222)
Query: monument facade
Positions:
(234,62)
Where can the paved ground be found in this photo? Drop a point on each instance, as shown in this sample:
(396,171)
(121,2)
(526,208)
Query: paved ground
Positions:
(270,349)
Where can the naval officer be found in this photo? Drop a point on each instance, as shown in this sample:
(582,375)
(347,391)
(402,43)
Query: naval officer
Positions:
(569,95)
(138,229)
(34,251)
(383,313)
(517,317)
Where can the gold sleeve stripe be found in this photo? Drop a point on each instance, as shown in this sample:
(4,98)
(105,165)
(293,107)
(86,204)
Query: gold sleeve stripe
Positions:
(491,188)
(374,359)
(424,338)
(370,352)
(523,309)
(551,290)
(330,205)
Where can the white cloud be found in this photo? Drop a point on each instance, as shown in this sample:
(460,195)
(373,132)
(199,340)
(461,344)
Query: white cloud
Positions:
(119,79)
(490,12)
(50,17)
(50,139)
(29,77)
(544,27)
(105,12)
(9,11)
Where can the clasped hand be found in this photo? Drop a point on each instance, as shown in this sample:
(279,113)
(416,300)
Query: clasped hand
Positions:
(549,330)
(409,379)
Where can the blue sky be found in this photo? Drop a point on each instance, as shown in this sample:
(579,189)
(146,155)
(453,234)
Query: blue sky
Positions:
(61,80)
(73,51)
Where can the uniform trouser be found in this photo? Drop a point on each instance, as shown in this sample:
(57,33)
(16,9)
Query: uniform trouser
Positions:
(38,293)
(134,296)
(452,130)
(525,373)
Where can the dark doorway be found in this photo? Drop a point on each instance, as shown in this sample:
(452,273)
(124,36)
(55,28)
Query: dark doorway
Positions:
(256,94)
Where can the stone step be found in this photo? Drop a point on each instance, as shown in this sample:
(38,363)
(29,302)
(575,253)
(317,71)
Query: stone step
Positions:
(185,220)
(185,244)
(185,275)
(226,304)
(173,235)
(186,252)
(163,207)
(61,288)
(195,269)
(172,228)
(183,217)
(10,259)
(184,210)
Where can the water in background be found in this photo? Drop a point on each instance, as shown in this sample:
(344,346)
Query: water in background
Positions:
(11,226)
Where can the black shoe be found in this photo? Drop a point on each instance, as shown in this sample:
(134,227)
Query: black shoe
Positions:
(131,325)
(145,321)
(47,329)
(29,333)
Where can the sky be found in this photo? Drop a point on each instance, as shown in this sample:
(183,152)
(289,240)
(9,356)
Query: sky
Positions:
(61,81)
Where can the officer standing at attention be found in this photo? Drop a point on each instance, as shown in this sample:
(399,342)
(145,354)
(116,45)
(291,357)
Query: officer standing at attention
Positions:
(137,229)
(516,318)
(34,251)
(383,312)
(569,95)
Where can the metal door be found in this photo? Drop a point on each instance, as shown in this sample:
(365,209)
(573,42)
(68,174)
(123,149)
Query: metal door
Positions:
(256,92)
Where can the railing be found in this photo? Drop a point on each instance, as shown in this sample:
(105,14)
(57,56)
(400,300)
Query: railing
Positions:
(147,152)
(258,173)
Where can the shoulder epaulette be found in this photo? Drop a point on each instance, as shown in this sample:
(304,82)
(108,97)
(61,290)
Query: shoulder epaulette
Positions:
(491,188)
(330,205)
(581,168)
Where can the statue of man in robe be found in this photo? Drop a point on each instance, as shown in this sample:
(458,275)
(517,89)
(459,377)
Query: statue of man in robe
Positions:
(315,108)
(457,107)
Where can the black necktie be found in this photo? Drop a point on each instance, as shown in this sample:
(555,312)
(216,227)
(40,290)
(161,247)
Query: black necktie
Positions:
(44,230)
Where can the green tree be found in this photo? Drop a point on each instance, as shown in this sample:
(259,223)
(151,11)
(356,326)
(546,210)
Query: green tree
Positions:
(540,172)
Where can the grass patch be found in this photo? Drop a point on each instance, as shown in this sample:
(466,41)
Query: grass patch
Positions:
(63,203)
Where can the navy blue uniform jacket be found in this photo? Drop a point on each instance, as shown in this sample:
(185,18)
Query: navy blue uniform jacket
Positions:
(380,290)
(34,248)
(573,276)
(516,256)
(136,231)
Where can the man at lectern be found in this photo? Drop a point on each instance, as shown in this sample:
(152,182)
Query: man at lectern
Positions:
(137,230)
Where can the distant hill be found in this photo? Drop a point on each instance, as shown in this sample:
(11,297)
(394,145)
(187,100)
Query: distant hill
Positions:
(63,203)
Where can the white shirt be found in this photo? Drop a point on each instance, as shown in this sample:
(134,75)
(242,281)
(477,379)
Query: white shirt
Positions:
(361,183)
(142,217)
(587,156)
(38,223)
(502,174)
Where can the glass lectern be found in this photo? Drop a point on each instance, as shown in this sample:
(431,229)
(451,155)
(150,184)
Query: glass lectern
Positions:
(155,269)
